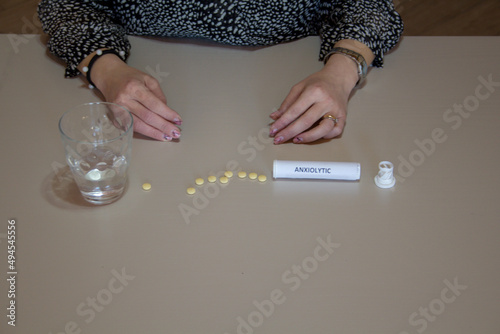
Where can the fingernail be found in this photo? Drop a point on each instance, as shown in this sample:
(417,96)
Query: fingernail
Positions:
(176,134)
(298,140)
(272,132)
(177,121)
(278,140)
(167,138)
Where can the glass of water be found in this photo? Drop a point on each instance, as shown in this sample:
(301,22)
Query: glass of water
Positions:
(97,138)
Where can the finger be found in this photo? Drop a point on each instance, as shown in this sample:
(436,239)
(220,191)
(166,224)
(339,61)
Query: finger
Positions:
(287,102)
(276,114)
(301,105)
(151,101)
(155,88)
(148,130)
(152,125)
(337,129)
(326,129)
(301,124)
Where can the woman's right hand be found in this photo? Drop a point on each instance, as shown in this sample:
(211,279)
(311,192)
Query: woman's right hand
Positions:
(138,92)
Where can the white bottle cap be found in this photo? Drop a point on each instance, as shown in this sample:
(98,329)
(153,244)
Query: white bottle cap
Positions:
(385,177)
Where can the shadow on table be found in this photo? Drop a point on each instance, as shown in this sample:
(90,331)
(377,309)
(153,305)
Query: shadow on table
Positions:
(60,189)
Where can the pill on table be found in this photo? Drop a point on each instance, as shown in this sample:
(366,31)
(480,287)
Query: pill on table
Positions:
(252,176)
(211,179)
(199,181)
(191,190)
(146,186)
(224,179)
(228,173)
(262,178)
(242,175)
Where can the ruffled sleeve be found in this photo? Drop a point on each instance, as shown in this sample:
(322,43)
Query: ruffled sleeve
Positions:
(374,23)
(78,28)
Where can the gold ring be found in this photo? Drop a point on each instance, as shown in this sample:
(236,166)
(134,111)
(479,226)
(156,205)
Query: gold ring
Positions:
(327,116)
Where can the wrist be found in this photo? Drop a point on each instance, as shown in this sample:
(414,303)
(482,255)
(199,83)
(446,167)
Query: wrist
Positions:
(343,70)
(94,65)
(358,53)
(356,58)
(358,47)
(103,67)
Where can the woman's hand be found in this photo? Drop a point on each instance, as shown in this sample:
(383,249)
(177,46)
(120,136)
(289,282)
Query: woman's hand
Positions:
(316,107)
(138,92)
(300,116)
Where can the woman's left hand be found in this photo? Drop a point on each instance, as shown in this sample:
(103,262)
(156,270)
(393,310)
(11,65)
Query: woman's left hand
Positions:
(301,116)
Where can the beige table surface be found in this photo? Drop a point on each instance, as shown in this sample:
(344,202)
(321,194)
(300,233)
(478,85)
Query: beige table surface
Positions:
(279,257)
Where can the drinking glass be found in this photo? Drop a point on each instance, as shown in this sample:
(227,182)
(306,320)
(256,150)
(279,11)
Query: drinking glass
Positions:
(97,139)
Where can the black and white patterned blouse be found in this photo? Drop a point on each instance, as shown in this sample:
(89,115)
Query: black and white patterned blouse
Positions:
(77,28)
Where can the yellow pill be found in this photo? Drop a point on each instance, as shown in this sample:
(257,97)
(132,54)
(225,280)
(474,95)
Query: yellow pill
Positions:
(146,186)
(262,178)
(199,181)
(211,179)
(224,179)
(191,190)
(242,175)
(228,173)
(252,176)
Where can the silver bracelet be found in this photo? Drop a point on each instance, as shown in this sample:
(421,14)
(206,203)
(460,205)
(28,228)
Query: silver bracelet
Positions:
(356,57)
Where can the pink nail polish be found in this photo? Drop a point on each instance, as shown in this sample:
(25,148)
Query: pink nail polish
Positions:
(177,121)
(176,134)
(298,140)
(273,132)
(278,140)
(167,138)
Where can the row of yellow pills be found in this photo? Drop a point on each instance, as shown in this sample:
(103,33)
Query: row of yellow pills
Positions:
(225,179)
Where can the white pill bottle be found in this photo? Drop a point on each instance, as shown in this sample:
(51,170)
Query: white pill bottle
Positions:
(287,169)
